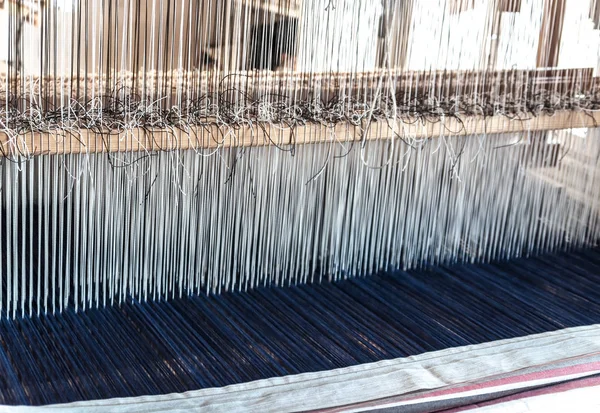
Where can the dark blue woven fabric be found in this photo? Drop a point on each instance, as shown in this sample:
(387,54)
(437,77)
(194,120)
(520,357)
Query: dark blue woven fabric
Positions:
(198,342)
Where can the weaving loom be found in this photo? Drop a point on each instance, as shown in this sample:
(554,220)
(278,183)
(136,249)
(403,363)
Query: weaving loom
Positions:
(287,205)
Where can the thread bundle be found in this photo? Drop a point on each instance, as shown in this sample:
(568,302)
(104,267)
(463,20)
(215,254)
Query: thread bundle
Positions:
(86,231)
(97,209)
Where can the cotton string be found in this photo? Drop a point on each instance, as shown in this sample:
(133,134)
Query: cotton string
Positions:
(238,208)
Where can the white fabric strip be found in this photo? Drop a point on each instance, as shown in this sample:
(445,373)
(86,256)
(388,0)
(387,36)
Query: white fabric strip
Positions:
(472,393)
(585,400)
(556,372)
(339,387)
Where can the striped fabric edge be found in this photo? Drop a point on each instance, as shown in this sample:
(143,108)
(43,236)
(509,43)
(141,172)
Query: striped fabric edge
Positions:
(482,391)
(581,396)
(469,404)
(361,383)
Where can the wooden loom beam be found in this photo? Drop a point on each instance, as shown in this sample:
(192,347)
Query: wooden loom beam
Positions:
(563,82)
(551,33)
(212,137)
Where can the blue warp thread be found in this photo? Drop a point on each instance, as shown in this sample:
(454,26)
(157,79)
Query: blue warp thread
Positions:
(199,342)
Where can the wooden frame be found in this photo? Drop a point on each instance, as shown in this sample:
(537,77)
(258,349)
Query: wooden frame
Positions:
(563,82)
(551,33)
(213,137)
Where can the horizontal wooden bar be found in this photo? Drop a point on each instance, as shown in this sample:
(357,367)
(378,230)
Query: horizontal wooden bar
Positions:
(212,137)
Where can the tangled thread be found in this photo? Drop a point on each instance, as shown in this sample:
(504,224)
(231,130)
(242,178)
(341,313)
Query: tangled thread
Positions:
(231,107)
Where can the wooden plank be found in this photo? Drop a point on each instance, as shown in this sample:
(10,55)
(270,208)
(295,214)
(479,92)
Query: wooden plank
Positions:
(212,137)
(551,33)
(288,8)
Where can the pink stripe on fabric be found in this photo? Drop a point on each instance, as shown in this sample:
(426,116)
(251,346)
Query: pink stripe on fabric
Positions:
(546,374)
(556,388)
(585,367)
